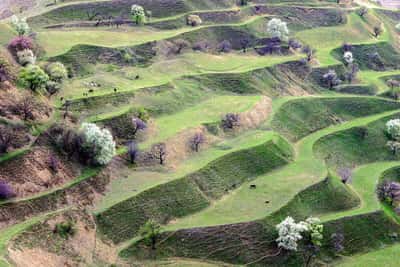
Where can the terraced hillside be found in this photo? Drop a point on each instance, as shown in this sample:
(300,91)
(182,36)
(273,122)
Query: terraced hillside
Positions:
(199,133)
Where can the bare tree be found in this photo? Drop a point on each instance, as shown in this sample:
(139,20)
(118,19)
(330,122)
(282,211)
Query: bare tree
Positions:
(196,141)
(133,151)
(159,152)
(25,107)
(180,45)
(138,125)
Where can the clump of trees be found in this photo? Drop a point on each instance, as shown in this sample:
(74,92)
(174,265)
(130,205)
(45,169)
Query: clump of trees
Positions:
(20,25)
(57,73)
(348,57)
(98,142)
(393,132)
(331,79)
(26,57)
(193,20)
(290,233)
(20,43)
(388,192)
(33,77)
(276,28)
(362,11)
(138,14)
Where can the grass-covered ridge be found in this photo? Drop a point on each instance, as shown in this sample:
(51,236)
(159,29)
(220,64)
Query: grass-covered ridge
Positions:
(193,192)
(357,146)
(253,239)
(378,57)
(298,118)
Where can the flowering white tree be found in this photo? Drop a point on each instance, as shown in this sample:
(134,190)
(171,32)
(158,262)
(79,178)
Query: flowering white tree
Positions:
(20,25)
(277,28)
(138,14)
(99,141)
(393,129)
(289,233)
(348,57)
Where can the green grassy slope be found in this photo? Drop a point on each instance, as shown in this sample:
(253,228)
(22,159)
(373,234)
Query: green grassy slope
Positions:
(298,118)
(356,146)
(193,192)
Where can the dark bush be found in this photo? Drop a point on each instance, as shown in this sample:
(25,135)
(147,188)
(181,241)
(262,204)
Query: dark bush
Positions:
(230,121)
(20,43)
(6,192)
(224,47)
(202,46)
(65,229)
(6,136)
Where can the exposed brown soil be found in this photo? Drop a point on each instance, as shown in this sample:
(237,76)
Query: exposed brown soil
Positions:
(41,245)
(32,173)
(20,136)
(258,114)
(10,7)
(10,96)
(83,194)
(178,147)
